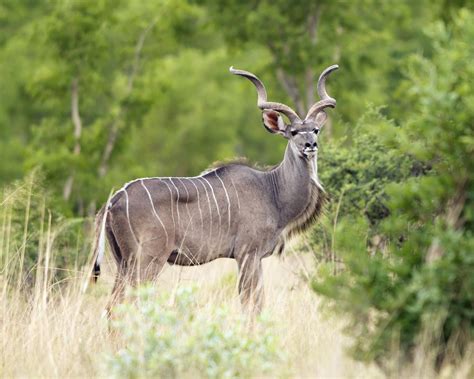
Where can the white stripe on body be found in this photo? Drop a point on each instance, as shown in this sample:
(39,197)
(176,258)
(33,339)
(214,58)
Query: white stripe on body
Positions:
(201,244)
(159,178)
(228,200)
(215,199)
(154,210)
(199,204)
(189,215)
(187,197)
(219,235)
(177,198)
(236,193)
(128,218)
(209,204)
(199,178)
(171,207)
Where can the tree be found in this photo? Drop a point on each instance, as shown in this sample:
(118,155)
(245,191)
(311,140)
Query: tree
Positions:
(85,83)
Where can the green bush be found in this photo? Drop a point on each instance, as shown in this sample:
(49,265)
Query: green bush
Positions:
(355,176)
(164,336)
(421,281)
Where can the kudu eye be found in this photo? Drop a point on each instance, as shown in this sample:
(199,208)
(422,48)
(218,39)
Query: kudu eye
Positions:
(294,132)
(315,131)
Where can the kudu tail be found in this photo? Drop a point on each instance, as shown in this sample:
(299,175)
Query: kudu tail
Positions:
(99,249)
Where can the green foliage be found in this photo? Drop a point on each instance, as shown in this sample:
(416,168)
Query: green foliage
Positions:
(421,280)
(30,230)
(164,336)
(358,174)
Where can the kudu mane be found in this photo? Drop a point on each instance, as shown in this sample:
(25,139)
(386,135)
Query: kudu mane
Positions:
(236,161)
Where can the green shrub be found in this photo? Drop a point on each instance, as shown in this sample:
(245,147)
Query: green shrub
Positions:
(358,173)
(165,336)
(355,176)
(421,281)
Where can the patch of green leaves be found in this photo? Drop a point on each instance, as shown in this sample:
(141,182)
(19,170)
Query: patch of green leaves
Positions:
(171,336)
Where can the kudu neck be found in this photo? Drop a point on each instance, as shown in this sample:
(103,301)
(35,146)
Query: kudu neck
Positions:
(292,179)
(294,169)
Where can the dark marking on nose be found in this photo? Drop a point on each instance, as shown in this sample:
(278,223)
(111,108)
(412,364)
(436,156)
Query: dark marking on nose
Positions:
(307,144)
(315,144)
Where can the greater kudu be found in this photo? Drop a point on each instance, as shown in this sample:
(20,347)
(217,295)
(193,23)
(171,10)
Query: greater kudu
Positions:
(233,211)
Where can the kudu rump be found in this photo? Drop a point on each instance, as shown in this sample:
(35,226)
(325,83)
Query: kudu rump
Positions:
(233,211)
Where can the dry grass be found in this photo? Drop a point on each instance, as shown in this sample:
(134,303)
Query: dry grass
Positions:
(65,335)
(58,331)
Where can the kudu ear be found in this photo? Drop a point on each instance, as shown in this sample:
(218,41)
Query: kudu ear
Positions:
(320,119)
(274,122)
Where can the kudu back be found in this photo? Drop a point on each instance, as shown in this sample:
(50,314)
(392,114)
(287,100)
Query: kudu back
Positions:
(234,211)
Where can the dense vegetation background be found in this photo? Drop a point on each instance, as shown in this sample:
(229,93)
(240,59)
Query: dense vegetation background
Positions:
(95,93)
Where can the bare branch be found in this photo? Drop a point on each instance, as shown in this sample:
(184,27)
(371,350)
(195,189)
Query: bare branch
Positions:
(289,84)
(76,120)
(313,23)
(309,84)
(136,58)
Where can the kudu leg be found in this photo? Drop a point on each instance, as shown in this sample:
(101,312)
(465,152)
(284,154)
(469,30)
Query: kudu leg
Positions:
(118,293)
(251,284)
(147,264)
(141,267)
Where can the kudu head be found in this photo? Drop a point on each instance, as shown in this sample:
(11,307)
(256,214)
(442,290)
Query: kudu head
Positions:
(302,134)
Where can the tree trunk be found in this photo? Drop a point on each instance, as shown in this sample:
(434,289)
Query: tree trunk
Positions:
(76,120)
(313,23)
(288,82)
(114,126)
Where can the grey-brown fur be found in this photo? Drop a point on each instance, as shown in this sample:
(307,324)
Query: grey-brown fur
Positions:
(233,211)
